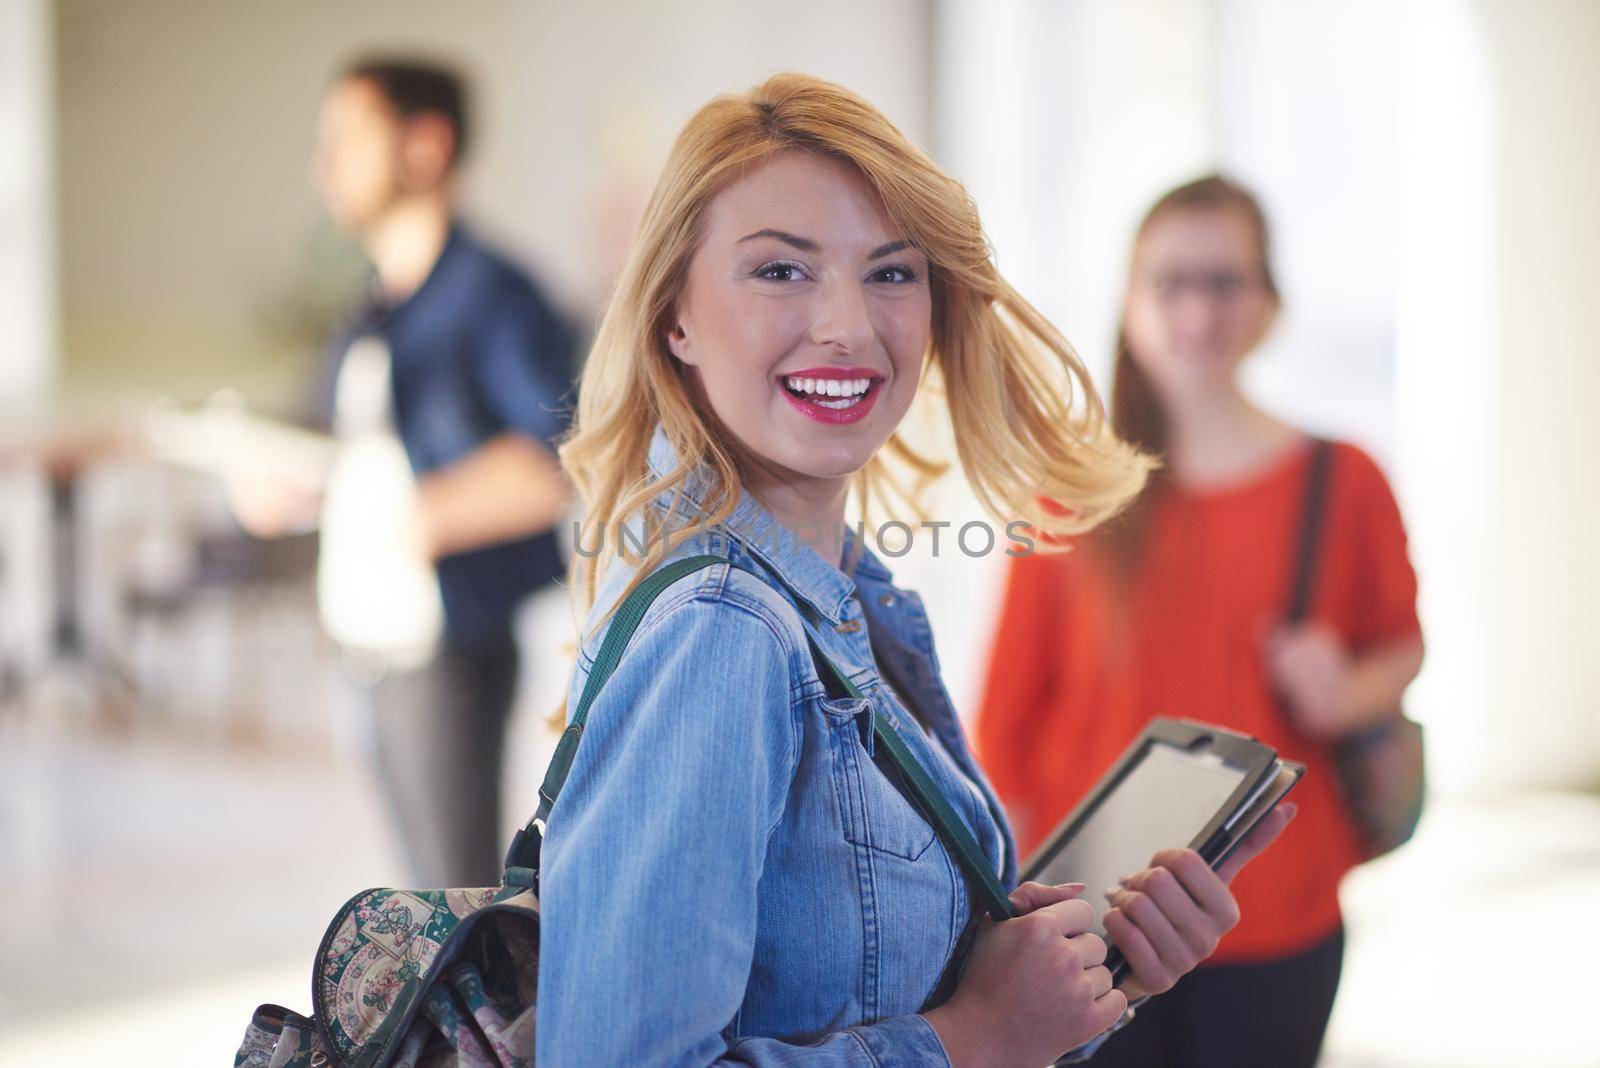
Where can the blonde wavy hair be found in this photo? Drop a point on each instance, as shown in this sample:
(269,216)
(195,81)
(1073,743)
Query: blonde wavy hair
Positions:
(1025,420)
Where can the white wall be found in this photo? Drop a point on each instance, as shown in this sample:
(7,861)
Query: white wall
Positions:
(1305,99)
(1499,354)
(27,319)
(1430,168)
(1068,119)
(193,248)
(1444,370)
(1065,120)
(27,232)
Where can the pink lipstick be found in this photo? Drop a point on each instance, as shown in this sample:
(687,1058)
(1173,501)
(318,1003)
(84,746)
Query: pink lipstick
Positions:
(832,395)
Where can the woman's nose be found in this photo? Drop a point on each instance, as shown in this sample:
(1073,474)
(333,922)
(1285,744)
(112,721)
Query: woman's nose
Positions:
(1195,312)
(843,319)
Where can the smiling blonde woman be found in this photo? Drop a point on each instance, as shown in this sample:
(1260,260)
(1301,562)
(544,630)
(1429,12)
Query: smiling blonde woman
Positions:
(730,874)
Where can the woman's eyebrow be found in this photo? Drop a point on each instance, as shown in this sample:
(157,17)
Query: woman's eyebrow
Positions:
(804,244)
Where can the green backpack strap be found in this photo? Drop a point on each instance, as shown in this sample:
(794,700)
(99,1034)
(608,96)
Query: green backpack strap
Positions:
(522,860)
(928,799)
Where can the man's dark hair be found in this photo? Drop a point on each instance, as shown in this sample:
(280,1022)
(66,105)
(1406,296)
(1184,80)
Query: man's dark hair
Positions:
(413,86)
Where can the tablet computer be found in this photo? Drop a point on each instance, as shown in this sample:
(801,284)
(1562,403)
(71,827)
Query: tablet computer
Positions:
(1180,784)
(1273,790)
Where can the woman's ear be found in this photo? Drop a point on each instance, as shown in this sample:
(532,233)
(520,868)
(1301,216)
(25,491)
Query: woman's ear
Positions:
(678,343)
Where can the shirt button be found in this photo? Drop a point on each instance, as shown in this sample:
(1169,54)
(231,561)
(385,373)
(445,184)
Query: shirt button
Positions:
(886,599)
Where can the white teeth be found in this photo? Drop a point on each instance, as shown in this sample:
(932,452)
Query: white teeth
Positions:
(842,402)
(829,387)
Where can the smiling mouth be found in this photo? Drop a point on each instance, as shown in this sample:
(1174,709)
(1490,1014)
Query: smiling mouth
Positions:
(834,394)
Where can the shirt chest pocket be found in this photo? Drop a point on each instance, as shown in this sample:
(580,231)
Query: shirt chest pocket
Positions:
(874,813)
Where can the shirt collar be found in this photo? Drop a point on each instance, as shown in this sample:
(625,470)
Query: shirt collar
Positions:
(867,565)
(379,311)
(799,566)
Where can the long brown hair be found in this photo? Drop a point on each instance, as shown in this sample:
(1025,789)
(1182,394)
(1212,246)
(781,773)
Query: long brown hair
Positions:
(1137,416)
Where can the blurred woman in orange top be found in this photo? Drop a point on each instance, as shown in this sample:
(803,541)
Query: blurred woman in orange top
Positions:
(1175,610)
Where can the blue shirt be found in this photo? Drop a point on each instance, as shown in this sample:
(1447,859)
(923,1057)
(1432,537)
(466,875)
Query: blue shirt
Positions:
(475,352)
(727,876)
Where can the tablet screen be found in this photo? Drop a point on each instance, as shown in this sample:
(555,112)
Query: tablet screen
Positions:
(1164,801)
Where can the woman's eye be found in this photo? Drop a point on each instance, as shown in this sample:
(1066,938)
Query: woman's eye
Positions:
(901,275)
(779,272)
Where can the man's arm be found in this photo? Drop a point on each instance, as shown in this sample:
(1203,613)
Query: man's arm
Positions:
(268,507)
(509,487)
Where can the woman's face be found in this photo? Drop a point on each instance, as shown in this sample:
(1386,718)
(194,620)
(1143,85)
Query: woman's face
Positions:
(1197,300)
(804,318)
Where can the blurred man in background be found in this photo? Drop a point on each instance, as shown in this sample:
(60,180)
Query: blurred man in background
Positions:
(446,397)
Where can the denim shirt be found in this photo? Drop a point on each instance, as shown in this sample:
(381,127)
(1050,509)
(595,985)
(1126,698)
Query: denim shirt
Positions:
(727,876)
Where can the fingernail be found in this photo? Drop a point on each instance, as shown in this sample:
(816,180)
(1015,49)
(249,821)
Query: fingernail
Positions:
(1112,892)
(1125,882)
(1076,888)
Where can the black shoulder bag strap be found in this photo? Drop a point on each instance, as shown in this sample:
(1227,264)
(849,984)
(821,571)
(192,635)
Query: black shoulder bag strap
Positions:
(1311,509)
(522,860)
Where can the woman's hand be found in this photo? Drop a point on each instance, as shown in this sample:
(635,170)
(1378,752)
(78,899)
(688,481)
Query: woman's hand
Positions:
(1170,917)
(1034,986)
(1311,668)
(1329,691)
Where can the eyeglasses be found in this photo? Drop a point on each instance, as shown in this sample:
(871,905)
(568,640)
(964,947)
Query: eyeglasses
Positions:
(1221,286)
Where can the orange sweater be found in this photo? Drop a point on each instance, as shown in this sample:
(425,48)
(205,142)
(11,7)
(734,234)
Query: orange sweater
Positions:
(1064,695)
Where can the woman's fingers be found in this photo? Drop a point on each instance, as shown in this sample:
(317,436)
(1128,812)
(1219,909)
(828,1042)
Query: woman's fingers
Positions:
(1203,885)
(1261,835)
(1141,956)
(1089,948)
(1069,918)
(1198,929)
(1030,896)
(1099,982)
(1112,1004)
(1145,914)
(1169,917)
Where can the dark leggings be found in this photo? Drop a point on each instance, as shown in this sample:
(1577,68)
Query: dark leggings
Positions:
(1268,1015)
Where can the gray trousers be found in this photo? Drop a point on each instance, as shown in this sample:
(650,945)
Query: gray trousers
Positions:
(440,732)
